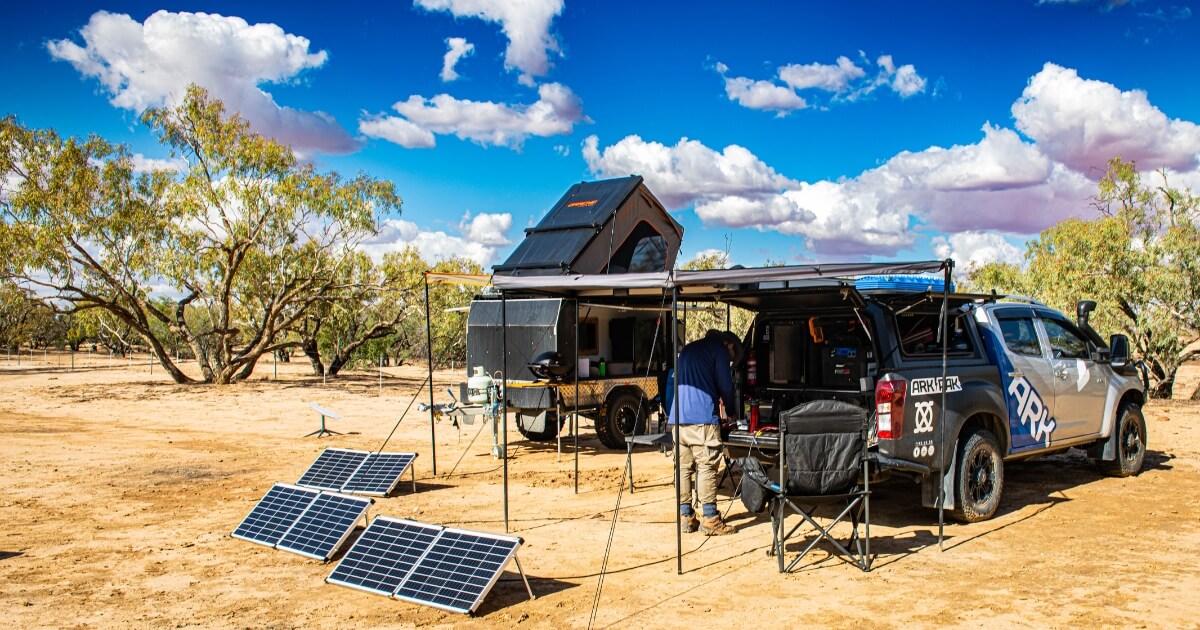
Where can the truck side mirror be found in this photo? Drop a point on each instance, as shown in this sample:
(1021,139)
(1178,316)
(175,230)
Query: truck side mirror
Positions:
(1119,351)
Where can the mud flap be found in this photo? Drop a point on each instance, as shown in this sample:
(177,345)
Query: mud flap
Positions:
(536,420)
(929,487)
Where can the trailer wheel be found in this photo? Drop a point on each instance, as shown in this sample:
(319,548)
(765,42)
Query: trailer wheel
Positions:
(624,415)
(1131,444)
(978,478)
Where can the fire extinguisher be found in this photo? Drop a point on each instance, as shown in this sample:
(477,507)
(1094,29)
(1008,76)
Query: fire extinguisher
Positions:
(751,369)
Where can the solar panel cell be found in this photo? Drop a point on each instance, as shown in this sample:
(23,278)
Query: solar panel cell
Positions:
(459,570)
(384,554)
(321,529)
(379,474)
(333,468)
(274,514)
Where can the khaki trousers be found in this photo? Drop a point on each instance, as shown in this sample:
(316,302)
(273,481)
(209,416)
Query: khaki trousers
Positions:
(699,453)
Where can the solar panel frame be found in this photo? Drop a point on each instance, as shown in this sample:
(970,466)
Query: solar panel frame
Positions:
(324,526)
(458,570)
(333,468)
(275,513)
(384,555)
(379,474)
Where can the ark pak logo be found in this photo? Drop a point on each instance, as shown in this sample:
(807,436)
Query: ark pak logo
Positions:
(926,386)
(1031,410)
(923,423)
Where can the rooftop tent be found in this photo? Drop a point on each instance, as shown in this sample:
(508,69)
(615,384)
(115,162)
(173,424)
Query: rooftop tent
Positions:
(609,226)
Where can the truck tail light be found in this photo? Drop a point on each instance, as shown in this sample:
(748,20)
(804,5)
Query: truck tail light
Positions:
(889,408)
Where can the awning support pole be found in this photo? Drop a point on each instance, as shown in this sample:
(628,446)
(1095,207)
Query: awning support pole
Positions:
(675,401)
(429,356)
(504,396)
(942,423)
(575,416)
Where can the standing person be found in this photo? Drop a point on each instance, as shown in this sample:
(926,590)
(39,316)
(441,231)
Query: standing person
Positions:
(705,395)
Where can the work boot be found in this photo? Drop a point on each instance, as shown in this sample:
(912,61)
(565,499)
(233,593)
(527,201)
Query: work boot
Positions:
(714,526)
(688,523)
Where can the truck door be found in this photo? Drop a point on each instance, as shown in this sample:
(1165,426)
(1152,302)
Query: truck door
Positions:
(1027,377)
(1080,387)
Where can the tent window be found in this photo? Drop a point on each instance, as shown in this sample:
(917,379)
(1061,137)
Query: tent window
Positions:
(644,250)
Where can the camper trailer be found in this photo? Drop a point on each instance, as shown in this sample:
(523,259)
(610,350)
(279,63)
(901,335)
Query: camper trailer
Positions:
(609,362)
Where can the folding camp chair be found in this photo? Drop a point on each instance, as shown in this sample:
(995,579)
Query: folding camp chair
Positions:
(823,448)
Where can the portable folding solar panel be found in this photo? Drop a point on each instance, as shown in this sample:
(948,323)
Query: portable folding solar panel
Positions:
(324,526)
(450,569)
(458,570)
(333,468)
(379,474)
(360,472)
(385,553)
(275,514)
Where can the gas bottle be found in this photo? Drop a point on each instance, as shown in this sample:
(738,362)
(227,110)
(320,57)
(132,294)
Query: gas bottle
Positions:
(478,386)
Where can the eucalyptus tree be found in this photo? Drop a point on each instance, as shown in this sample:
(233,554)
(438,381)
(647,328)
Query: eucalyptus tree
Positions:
(1139,259)
(245,235)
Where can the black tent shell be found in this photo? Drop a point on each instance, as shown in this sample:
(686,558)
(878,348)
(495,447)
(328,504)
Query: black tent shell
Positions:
(592,221)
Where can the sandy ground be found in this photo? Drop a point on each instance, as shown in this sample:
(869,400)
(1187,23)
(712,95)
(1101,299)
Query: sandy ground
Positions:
(119,489)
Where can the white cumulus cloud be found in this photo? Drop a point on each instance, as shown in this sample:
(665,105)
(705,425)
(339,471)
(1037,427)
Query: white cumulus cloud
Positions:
(150,64)
(763,95)
(458,48)
(556,112)
(831,78)
(143,164)
(688,172)
(480,240)
(526,23)
(1084,123)
(842,81)
(973,249)
(487,229)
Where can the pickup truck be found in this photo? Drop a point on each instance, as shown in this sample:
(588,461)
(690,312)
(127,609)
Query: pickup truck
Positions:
(1020,381)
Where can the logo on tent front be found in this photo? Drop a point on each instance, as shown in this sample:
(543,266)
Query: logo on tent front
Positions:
(582,204)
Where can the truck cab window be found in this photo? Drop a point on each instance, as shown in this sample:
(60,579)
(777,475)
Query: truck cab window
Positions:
(1065,343)
(1019,336)
(919,331)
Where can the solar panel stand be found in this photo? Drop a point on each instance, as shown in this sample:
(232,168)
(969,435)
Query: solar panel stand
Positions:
(324,412)
(322,431)
(523,578)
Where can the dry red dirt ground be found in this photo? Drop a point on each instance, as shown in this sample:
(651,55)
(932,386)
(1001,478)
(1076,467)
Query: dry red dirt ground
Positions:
(118,492)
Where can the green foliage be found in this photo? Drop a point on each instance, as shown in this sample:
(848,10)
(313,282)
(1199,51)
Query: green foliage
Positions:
(250,237)
(1138,260)
(700,317)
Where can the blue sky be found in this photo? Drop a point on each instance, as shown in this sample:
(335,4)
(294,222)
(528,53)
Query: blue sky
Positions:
(786,131)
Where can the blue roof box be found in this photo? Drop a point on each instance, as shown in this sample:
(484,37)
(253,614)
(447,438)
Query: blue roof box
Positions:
(902,283)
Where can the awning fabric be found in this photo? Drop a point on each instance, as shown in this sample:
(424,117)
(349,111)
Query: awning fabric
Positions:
(706,281)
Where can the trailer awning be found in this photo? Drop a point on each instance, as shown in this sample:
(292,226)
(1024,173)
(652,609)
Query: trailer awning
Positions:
(697,284)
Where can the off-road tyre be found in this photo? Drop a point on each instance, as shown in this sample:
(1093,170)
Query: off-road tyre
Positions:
(978,477)
(1130,443)
(624,415)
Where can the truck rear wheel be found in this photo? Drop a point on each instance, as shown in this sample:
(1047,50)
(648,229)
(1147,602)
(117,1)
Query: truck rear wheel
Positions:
(624,415)
(978,478)
(1130,442)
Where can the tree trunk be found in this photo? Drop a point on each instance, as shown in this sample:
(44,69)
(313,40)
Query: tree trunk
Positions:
(337,363)
(309,347)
